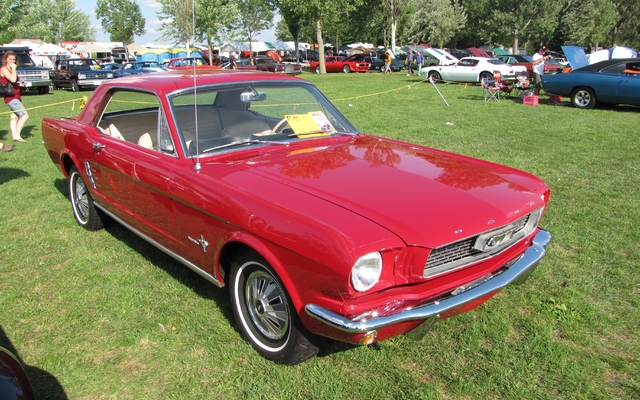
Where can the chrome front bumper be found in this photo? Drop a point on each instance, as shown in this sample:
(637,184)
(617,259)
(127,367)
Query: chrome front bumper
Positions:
(516,274)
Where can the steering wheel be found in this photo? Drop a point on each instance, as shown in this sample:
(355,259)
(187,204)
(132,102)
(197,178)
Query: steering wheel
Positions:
(279,125)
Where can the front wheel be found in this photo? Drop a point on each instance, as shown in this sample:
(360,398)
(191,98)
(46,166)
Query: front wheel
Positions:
(346,69)
(583,98)
(74,86)
(84,210)
(265,314)
(434,76)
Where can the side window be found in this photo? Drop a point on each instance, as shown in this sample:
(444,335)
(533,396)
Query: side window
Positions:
(137,118)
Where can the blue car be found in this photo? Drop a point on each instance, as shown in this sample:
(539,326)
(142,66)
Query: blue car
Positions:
(139,67)
(615,81)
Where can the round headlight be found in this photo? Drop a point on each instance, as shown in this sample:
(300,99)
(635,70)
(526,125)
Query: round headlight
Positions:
(366,271)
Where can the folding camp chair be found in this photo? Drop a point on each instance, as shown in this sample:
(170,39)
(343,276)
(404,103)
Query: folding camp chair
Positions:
(490,89)
(522,85)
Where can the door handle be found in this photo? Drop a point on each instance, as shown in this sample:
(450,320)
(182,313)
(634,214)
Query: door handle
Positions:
(97,147)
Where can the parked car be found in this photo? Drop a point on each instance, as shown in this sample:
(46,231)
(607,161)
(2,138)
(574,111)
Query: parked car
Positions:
(340,64)
(266,63)
(550,67)
(376,63)
(615,81)
(260,184)
(473,69)
(34,77)
(242,64)
(190,63)
(137,67)
(79,73)
(14,382)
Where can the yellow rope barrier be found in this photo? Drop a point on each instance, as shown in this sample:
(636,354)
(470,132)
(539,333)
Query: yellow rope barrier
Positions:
(381,93)
(82,100)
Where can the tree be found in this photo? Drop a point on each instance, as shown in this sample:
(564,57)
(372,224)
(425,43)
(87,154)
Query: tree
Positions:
(436,21)
(587,22)
(501,21)
(290,25)
(53,22)
(11,12)
(122,19)
(316,11)
(395,9)
(213,19)
(255,16)
(178,20)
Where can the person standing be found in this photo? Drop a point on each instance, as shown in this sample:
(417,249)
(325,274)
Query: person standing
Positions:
(232,60)
(538,69)
(387,62)
(419,61)
(410,59)
(8,74)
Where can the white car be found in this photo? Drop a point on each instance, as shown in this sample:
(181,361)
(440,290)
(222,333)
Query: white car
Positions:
(473,69)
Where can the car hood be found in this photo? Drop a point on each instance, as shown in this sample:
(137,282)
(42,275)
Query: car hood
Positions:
(576,56)
(442,56)
(426,197)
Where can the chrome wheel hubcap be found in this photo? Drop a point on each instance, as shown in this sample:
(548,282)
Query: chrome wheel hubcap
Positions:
(267,305)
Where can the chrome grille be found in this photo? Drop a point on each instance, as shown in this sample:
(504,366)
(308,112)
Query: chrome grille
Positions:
(32,75)
(89,75)
(453,252)
(464,252)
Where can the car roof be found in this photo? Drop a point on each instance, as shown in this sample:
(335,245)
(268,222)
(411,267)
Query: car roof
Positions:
(184,79)
(607,63)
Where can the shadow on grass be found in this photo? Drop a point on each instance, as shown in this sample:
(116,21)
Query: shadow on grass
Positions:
(9,174)
(186,276)
(44,384)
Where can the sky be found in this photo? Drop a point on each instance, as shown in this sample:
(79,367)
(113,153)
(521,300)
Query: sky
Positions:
(149,9)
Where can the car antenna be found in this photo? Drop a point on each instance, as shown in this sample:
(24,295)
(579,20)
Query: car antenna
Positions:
(197,165)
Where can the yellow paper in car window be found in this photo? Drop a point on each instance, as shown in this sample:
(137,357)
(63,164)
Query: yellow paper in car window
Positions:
(310,124)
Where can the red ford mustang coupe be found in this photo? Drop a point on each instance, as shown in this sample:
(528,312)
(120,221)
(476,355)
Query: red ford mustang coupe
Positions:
(258,183)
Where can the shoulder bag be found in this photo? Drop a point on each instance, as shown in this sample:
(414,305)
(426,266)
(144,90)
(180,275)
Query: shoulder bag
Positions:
(6,89)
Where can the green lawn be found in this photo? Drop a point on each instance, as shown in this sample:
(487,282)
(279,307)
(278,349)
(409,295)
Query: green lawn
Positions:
(104,315)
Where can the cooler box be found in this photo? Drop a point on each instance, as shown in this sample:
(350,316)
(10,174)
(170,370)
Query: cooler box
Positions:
(530,100)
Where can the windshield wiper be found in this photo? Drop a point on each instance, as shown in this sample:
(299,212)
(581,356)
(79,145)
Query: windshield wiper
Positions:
(244,142)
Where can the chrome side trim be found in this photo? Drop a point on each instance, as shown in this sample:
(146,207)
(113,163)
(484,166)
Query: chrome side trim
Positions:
(165,250)
(516,274)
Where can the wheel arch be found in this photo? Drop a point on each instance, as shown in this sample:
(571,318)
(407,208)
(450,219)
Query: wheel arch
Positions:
(238,243)
(68,161)
(482,73)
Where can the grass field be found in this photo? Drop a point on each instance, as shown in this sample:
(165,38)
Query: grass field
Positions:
(104,315)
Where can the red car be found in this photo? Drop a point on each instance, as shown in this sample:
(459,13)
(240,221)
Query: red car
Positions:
(258,183)
(266,63)
(341,64)
(550,66)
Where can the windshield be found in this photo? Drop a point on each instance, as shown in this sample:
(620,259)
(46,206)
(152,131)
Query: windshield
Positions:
(253,114)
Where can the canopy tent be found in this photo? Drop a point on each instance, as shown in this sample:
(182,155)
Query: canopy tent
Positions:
(360,50)
(48,49)
(234,46)
(90,48)
(361,44)
(134,48)
(278,45)
(622,52)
